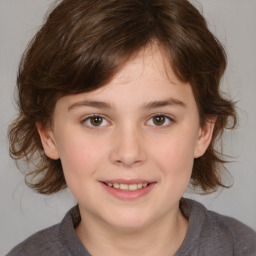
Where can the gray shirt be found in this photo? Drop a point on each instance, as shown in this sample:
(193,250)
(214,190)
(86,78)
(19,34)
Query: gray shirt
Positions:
(209,234)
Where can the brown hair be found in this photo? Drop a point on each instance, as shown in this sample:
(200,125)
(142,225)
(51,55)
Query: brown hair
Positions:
(84,43)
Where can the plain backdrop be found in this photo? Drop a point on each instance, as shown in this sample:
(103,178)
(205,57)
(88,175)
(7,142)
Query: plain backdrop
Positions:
(22,212)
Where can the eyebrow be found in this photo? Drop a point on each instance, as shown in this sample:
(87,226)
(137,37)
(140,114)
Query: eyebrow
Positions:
(105,105)
(163,103)
(94,104)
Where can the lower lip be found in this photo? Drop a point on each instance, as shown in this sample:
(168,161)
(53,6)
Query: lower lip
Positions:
(128,194)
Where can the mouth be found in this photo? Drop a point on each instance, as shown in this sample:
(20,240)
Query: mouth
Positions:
(128,190)
(127,187)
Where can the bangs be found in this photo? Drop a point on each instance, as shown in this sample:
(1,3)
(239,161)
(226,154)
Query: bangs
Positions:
(89,49)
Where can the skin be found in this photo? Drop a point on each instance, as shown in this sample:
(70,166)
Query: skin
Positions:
(130,143)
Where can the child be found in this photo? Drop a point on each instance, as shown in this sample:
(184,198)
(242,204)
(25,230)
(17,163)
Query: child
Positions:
(120,101)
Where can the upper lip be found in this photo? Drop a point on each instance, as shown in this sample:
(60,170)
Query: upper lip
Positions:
(127,181)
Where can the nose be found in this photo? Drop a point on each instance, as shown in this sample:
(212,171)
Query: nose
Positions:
(128,148)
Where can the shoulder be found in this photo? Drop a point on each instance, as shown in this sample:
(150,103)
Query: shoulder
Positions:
(220,234)
(44,242)
(58,240)
(243,237)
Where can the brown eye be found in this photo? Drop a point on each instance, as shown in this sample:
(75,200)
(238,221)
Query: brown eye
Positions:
(96,120)
(159,120)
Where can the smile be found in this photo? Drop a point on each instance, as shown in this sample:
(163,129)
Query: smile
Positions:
(128,187)
(128,190)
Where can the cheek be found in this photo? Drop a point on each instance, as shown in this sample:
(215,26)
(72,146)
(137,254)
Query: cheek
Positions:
(80,161)
(176,165)
(80,157)
(175,155)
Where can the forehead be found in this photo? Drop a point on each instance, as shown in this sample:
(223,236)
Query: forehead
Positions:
(146,77)
(151,58)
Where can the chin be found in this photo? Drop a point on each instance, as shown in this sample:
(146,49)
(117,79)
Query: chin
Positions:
(130,222)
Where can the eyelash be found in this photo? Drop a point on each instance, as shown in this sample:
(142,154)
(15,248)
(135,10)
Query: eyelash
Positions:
(166,117)
(104,119)
(91,126)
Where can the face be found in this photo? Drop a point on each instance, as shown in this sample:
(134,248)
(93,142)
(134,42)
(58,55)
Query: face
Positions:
(127,149)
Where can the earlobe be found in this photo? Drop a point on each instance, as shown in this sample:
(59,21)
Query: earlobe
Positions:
(204,137)
(48,141)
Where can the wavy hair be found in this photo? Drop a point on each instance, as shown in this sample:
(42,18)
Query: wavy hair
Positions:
(84,43)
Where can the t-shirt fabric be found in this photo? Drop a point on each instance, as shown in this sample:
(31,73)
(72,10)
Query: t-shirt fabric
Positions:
(209,234)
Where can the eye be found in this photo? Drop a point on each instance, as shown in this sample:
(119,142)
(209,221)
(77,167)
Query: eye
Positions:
(160,120)
(95,121)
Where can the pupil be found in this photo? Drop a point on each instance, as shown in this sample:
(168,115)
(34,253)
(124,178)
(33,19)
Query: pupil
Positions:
(96,120)
(159,120)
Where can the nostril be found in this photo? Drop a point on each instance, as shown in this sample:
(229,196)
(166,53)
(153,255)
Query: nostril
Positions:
(127,152)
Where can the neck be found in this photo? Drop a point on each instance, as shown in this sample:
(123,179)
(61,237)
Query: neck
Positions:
(161,238)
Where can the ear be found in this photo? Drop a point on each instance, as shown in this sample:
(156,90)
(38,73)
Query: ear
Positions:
(204,137)
(48,141)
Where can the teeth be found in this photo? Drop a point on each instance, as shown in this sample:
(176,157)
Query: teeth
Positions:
(130,187)
(116,185)
(124,186)
(133,187)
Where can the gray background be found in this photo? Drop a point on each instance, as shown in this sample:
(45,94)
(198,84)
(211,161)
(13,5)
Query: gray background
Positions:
(22,212)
